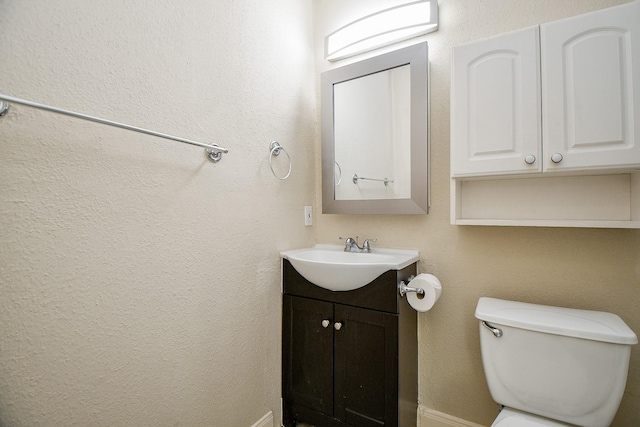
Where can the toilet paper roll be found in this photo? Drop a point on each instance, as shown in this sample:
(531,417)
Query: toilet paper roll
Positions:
(432,289)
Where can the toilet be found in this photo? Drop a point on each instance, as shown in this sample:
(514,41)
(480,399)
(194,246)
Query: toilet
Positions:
(552,366)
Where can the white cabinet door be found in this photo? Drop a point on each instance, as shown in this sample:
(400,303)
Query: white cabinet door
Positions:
(591,90)
(495,105)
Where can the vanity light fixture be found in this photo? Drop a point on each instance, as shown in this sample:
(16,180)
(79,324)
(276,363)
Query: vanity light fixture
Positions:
(382,28)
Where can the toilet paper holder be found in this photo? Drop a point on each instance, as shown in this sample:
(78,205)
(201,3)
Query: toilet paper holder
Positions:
(403,288)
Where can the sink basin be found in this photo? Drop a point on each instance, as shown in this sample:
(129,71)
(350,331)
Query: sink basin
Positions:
(330,267)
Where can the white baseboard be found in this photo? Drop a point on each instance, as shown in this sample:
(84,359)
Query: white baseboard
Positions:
(426,418)
(430,418)
(266,421)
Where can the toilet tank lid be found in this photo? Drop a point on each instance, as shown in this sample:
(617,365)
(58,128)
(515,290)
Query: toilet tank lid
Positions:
(586,324)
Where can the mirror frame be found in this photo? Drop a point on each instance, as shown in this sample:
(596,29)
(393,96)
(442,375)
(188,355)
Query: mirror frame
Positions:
(416,57)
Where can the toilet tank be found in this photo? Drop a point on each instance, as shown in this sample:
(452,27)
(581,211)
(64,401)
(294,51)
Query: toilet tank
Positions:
(565,364)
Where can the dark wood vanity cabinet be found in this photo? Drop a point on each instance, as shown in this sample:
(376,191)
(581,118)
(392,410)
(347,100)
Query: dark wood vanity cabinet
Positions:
(349,358)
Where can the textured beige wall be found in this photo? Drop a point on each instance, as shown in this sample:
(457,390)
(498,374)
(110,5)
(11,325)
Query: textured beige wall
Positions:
(122,256)
(139,282)
(584,268)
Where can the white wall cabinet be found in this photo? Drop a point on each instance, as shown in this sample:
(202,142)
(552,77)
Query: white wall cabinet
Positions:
(545,117)
(495,105)
(591,90)
(569,89)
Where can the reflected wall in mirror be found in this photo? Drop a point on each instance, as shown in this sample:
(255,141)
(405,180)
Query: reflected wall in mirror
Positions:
(374,135)
(371,115)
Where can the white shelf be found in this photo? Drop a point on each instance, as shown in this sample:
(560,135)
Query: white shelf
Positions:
(590,201)
(549,223)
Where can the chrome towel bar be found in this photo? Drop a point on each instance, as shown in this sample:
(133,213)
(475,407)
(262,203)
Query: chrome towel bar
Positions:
(214,151)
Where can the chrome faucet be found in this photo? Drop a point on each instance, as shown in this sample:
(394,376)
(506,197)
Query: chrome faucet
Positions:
(351,245)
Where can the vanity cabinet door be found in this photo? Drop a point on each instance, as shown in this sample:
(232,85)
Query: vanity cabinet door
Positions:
(495,105)
(366,367)
(591,90)
(307,349)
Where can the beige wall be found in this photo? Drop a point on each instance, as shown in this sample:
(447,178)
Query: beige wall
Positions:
(139,282)
(585,268)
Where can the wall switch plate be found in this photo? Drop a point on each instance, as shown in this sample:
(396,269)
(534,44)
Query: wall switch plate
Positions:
(308,216)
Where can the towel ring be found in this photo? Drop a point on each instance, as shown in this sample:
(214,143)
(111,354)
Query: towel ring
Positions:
(275,151)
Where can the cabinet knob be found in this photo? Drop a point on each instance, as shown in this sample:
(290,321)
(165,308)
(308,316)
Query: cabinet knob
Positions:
(556,158)
(325,323)
(530,159)
(337,326)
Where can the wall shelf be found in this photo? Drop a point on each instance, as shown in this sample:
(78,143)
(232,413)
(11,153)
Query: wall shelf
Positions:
(594,201)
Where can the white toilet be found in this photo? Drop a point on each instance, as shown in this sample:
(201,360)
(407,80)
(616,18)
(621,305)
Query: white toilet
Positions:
(552,366)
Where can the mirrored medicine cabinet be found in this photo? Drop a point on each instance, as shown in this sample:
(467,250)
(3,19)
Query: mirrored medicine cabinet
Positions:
(375,135)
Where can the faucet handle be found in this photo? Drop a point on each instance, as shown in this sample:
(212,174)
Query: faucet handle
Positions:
(349,239)
(349,244)
(366,246)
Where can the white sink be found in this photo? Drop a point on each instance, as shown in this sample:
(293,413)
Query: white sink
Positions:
(330,267)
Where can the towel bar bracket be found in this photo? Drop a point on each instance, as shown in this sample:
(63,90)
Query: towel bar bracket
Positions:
(214,155)
(4,108)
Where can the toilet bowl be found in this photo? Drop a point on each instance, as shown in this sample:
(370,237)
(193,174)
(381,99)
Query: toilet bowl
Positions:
(513,418)
(553,366)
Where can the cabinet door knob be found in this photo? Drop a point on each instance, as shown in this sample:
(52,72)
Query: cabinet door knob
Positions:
(337,326)
(530,159)
(325,323)
(556,158)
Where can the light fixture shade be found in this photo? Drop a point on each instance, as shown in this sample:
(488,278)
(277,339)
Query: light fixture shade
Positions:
(382,28)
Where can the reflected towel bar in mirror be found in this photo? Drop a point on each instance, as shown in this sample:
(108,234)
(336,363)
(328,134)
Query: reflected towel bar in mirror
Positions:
(356,178)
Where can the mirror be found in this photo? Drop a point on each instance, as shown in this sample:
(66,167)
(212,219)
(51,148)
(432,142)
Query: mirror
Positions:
(374,135)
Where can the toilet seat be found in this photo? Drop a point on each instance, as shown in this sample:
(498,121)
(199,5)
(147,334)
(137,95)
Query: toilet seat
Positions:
(513,418)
